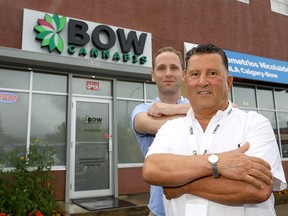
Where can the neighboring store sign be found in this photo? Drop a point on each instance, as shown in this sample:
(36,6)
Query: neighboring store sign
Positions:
(60,35)
(254,67)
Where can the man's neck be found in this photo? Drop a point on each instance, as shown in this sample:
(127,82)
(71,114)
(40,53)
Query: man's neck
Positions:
(204,119)
(170,99)
(205,115)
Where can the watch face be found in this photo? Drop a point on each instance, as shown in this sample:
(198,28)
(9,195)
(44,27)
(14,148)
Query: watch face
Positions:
(213,158)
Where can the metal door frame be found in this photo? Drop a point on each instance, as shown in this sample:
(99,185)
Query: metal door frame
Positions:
(91,193)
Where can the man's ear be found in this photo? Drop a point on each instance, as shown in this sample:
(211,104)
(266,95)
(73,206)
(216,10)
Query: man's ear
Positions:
(229,82)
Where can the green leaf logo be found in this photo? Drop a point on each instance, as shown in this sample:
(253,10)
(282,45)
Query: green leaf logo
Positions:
(47,31)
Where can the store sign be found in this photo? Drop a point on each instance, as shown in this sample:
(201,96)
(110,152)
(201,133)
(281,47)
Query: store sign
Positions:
(92,120)
(60,35)
(254,67)
(92,85)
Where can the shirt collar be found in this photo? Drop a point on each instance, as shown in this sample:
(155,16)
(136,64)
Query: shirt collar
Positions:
(219,113)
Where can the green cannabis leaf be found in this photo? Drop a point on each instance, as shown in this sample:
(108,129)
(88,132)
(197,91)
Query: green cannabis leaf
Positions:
(48,30)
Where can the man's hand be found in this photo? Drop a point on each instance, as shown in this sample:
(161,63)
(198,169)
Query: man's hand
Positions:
(236,165)
(173,192)
(159,109)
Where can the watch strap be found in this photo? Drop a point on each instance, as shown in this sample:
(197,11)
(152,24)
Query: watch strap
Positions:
(215,170)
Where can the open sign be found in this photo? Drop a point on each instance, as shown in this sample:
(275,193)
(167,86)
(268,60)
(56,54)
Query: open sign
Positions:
(7,97)
(91,85)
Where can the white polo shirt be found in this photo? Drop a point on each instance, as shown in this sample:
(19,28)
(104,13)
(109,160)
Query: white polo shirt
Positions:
(226,131)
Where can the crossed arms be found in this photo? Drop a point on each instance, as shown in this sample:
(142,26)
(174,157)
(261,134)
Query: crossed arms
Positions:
(243,179)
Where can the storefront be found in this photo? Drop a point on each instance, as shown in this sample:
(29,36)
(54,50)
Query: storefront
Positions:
(71,87)
(74,83)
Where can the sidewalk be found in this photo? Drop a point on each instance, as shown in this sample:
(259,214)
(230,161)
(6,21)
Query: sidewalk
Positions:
(281,203)
(141,209)
(282,209)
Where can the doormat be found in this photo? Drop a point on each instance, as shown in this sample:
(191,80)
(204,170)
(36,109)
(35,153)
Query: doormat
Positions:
(92,204)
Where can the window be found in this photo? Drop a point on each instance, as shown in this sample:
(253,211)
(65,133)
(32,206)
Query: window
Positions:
(129,95)
(130,90)
(49,82)
(13,122)
(128,147)
(244,96)
(281,99)
(279,6)
(283,124)
(39,109)
(271,103)
(48,123)
(48,113)
(152,91)
(14,79)
(91,87)
(265,98)
(272,118)
(244,1)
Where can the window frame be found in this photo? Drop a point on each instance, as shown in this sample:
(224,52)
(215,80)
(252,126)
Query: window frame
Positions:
(279,6)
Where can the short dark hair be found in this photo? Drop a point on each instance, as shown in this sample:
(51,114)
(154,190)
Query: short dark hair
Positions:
(207,49)
(168,49)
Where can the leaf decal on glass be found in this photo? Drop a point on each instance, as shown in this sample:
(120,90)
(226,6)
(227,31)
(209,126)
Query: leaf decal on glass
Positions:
(48,30)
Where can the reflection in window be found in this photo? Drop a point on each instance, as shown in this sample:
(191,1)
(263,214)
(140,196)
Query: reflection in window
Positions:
(281,97)
(92,146)
(128,147)
(265,98)
(271,116)
(48,123)
(14,79)
(13,123)
(283,127)
(152,91)
(130,90)
(244,96)
(49,82)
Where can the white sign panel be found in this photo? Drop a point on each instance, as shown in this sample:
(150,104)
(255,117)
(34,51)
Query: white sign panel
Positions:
(65,36)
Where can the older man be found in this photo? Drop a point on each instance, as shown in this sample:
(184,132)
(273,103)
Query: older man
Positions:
(218,160)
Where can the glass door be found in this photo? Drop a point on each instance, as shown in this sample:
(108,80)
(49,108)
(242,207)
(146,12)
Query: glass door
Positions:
(91,151)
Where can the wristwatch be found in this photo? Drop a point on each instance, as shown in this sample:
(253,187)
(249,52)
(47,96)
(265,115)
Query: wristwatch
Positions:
(213,160)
